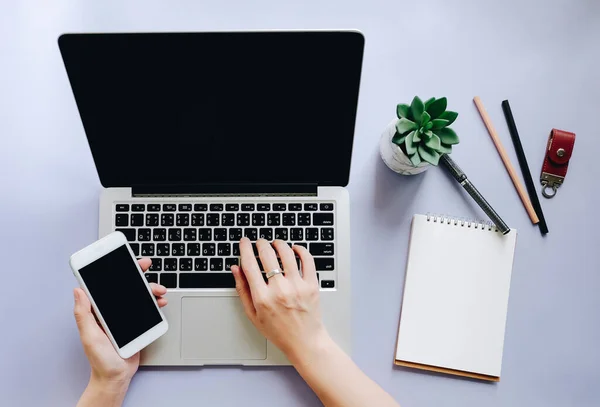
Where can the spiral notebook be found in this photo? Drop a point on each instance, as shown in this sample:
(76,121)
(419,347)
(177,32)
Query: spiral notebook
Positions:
(455,297)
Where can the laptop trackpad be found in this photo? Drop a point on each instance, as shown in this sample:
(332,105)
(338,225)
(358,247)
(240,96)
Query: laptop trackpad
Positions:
(217,328)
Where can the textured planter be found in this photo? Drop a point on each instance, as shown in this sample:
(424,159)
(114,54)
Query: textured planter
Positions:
(394,157)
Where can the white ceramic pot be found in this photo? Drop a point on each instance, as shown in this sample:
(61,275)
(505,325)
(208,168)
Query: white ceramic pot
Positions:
(394,157)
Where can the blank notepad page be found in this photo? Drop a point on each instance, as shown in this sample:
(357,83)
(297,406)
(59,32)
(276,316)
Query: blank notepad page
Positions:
(455,297)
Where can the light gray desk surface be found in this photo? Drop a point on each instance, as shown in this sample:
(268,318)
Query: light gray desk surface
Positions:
(542,56)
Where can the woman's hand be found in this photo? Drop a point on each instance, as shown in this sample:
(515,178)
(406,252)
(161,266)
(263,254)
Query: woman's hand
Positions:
(286,310)
(107,366)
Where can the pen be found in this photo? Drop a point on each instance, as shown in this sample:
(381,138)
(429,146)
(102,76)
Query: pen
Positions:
(462,179)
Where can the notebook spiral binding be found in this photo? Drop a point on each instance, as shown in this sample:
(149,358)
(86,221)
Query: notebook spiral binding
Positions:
(462,222)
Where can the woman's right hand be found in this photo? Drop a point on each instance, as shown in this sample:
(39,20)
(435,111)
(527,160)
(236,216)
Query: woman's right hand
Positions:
(286,309)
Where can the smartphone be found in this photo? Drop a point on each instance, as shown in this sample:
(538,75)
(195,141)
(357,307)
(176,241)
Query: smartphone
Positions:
(121,297)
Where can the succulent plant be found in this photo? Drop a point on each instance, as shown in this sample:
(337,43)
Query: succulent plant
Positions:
(422,131)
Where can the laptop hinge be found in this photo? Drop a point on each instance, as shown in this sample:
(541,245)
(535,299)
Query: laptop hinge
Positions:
(228,190)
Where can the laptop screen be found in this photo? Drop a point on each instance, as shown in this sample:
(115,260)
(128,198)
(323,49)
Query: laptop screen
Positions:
(217,108)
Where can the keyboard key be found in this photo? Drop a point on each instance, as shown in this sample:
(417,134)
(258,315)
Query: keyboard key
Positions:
(326,206)
(279,207)
(137,219)
(251,233)
(216,264)
(163,249)
(147,249)
(156,264)
(311,206)
(143,235)
(185,207)
(138,207)
(230,261)
(170,264)
(232,207)
(295,207)
(216,207)
(183,219)
(169,207)
(198,219)
(248,207)
(175,234)
(255,249)
(243,219)
(200,207)
(212,219)
(153,207)
(289,219)
(235,234)
(304,219)
(321,249)
(200,264)
(324,263)
(178,249)
(122,207)
(208,249)
(129,234)
(312,234)
(185,264)
(264,207)
(159,234)
(122,219)
(204,234)
(224,249)
(258,219)
(135,247)
(273,219)
(326,283)
(266,233)
(206,280)
(151,219)
(167,219)
(323,219)
(152,277)
(193,249)
(327,234)
(236,249)
(169,280)
(281,233)
(220,234)
(189,234)
(228,219)
(297,234)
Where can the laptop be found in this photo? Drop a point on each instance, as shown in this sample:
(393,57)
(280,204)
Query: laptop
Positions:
(202,138)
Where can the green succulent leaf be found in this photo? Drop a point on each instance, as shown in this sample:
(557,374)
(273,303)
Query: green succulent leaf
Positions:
(398,139)
(432,157)
(449,115)
(445,149)
(428,102)
(427,135)
(429,126)
(405,125)
(417,108)
(415,159)
(439,123)
(416,138)
(434,143)
(447,135)
(403,110)
(421,130)
(437,108)
(426,118)
(411,148)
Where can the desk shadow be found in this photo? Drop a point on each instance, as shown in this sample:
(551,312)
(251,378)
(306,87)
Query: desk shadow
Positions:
(395,193)
(442,375)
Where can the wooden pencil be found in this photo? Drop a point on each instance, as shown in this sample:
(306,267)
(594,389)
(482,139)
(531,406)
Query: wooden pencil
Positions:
(509,167)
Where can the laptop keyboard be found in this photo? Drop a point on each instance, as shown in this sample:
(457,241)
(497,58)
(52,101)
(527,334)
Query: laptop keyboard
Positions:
(194,245)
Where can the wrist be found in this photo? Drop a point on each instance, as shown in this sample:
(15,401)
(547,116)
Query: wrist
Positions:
(107,386)
(313,350)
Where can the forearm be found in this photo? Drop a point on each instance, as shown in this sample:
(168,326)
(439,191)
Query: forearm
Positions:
(336,379)
(102,394)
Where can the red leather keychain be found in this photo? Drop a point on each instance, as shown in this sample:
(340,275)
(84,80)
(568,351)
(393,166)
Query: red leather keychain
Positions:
(558,153)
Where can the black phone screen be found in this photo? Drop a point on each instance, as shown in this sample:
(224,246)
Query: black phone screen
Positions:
(121,295)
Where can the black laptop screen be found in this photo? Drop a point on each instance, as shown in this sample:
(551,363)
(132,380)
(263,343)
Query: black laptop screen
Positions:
(198,108)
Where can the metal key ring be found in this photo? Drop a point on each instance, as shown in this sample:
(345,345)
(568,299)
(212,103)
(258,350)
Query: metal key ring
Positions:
(547,195)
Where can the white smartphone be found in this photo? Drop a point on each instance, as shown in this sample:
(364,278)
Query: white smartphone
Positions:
(120,295)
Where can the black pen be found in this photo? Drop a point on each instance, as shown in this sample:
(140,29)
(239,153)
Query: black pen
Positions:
(462,179)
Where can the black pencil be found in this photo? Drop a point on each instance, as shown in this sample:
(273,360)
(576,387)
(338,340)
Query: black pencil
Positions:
(514,134)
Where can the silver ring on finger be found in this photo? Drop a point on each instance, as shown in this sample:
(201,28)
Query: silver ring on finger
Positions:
(273,272)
